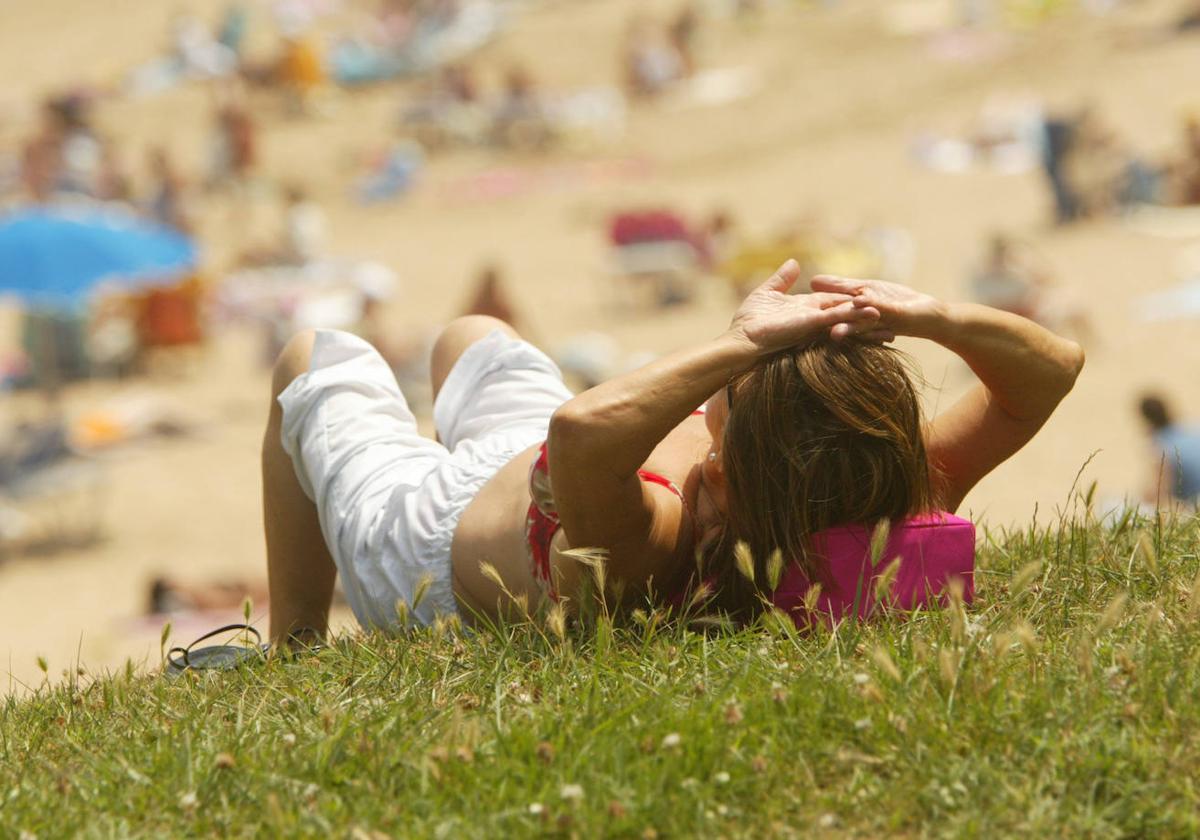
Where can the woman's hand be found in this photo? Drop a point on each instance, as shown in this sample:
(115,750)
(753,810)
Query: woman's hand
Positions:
(902,310)
(770,319)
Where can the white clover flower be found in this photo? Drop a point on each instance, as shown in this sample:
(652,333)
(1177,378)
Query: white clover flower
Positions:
(571,792)
(188,801)
(671,740)
(861,679)
(721,778)
(536,808)
(862,723)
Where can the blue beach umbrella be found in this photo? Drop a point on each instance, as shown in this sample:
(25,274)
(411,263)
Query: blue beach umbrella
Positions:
(58,257)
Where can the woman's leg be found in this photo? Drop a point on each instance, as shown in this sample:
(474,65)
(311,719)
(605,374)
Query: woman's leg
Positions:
(300,571)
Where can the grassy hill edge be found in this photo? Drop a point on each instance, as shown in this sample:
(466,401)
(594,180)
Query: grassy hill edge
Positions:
(1063,700)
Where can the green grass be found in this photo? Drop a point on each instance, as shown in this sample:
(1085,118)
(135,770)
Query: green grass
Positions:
(1064,702)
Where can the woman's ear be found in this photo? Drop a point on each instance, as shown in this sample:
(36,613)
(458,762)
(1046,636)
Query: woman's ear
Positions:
(713,473)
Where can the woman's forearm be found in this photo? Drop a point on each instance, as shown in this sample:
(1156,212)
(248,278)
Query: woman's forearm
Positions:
(617,424)
(1027,368)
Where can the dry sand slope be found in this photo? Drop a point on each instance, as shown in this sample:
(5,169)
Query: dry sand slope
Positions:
(829,131)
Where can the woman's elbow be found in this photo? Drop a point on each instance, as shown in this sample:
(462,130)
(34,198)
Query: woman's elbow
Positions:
(1072,365)
(568,423)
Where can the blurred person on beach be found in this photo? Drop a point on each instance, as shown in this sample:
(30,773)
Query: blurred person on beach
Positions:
(113,182)
(753,442)
(1184,171)
(65,155)
(167,202)
(683,33)
(1176,453)
(1011,279)
(1189,20)
(303,236)
(490,297)
(651,58)
(1059,134)
(450,110)
(232,30)
(520,119)
(234,146)
(167,595)
(305,230)
(299,72)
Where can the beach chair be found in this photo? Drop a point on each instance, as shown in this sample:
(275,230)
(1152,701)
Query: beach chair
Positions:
(654,255)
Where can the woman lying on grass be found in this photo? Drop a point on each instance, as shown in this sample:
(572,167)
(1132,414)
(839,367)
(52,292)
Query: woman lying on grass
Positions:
(795,420)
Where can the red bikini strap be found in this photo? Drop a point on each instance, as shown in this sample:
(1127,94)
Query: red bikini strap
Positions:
(655,478)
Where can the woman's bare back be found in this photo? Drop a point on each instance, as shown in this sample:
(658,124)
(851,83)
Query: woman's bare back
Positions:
(492,528)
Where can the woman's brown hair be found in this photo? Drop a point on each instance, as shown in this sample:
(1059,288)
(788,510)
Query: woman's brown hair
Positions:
(827,435)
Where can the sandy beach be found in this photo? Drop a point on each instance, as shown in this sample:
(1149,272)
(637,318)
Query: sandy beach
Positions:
(827,131)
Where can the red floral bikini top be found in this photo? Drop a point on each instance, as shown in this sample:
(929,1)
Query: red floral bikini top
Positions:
(541,521)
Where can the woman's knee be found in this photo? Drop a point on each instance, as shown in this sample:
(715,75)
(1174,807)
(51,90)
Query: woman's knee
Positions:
(293,360)
(458,335)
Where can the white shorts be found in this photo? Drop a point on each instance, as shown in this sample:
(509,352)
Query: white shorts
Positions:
(389,499)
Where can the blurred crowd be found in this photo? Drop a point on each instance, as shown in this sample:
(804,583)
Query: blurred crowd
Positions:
(263,71)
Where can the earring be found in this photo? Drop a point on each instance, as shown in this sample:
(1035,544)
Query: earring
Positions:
(712,456)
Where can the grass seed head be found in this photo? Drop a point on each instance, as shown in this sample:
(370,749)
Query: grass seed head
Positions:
(879,540)
(885,580)
(522,603)
(224,761)
(556,620)
(947,667)
(1084,654)
(1145,553)
(1001,642)
(921,650)
(422,590)
(774,569)
(699,595)
(744,560)
(1113,613)
(489,571)
(883,660)
(733,713)
(812,597)
(1193,609)
(1027,637)
(1024,576)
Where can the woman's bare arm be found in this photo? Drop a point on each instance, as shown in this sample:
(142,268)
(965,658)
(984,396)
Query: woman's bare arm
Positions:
(601,438)
(1024,372)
